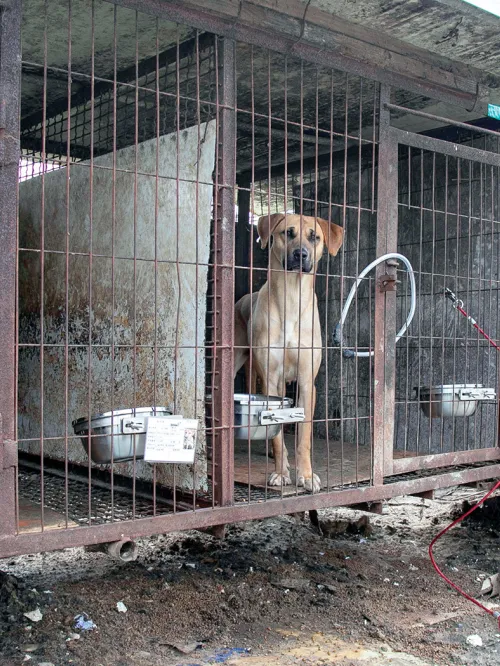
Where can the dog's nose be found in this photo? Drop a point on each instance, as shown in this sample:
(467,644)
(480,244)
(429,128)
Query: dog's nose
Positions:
(301,253)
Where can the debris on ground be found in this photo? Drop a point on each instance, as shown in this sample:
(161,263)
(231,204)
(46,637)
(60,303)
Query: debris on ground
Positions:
(35,615)
(339,526)
(292,595)
(185,648)
(120,607)
(475,640)
(84,623)
(491,586)
(17,598)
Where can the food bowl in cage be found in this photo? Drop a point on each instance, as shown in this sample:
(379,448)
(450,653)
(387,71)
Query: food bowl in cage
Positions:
(453,399)
(116,436)
(261,416)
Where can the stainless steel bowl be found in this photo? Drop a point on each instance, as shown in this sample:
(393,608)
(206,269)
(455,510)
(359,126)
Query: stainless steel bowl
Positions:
(247,409)
(115,434)
(452,399)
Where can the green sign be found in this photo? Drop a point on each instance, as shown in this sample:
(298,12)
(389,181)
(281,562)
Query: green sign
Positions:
(494,111)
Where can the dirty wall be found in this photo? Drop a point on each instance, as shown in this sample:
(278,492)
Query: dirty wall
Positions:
(119,313)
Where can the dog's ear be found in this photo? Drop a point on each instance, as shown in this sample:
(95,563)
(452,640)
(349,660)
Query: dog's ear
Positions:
(266,225)
(334,235)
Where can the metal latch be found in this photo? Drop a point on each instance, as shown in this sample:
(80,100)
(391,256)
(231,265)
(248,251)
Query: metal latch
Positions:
(477,394)
(133,425)
(289,415)
(388,282)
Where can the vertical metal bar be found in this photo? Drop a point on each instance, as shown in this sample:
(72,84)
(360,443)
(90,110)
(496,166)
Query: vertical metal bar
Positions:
(66,275)
(457,291)
(224,276)
(156,240)
(356,310)
(269,261)
(327,285)
(407,337)
(251,278)
(10,91)
(445,273)
(42,263)
(385,303)
(196,244)
(113,238)
(420,277)
(91,250)
(177,228)
(134,287)
(433,270)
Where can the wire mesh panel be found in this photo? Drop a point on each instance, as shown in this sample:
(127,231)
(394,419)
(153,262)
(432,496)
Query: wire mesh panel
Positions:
(447,371)
(134,243)
(194,213)
(119,193)
(307,139)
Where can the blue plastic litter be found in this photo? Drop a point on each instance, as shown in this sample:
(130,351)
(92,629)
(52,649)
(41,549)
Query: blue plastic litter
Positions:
(226,653)
(84,623)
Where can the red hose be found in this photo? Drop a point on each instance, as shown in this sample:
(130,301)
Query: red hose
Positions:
(477,327)
(495,614)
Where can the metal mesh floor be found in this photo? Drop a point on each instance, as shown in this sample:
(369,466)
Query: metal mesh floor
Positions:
(71,498)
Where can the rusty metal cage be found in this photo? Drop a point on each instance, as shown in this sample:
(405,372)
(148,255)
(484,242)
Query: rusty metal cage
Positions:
(155,147)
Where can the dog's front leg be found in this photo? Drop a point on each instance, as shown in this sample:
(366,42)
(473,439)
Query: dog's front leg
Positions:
(281,474)
(305,476)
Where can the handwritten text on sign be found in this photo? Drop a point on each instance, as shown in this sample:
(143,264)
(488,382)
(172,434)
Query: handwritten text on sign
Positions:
(170,440)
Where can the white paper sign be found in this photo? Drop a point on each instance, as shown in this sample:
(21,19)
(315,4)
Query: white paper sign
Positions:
(170,440)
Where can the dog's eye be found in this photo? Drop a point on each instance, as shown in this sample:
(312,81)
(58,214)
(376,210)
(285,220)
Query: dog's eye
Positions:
(313,236)
(289,233)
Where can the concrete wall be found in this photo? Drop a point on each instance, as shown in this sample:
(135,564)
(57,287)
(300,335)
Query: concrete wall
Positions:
(141,318)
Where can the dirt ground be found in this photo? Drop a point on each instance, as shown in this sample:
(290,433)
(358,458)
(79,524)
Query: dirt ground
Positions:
(272,592)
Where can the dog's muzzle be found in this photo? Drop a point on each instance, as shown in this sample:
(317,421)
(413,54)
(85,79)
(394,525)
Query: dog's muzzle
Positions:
(298,259)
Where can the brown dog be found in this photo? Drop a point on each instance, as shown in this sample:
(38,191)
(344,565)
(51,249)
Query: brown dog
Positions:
(282,323)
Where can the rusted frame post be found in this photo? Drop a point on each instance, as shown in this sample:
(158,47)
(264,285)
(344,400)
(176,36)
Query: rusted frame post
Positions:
(385,301)
(10,93)
(224,276)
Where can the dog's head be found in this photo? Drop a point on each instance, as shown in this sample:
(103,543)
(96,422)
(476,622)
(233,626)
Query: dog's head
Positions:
(298,241)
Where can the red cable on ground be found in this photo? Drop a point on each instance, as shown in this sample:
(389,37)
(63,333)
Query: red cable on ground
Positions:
(495,614)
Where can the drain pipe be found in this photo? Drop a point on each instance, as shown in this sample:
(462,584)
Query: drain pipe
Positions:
(124,550)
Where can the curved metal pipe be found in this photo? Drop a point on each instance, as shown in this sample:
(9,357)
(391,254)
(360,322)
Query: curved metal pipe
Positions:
(351,353)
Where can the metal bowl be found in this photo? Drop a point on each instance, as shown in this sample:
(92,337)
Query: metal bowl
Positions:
(116,436)
(247,409)
(452,399)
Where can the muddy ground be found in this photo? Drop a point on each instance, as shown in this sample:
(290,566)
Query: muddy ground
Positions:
(272,592)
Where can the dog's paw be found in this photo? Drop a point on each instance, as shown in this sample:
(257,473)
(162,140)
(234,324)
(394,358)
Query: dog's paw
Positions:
(279,479)
(310,483)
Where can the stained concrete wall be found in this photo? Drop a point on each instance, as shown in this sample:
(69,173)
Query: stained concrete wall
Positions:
(158,308)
